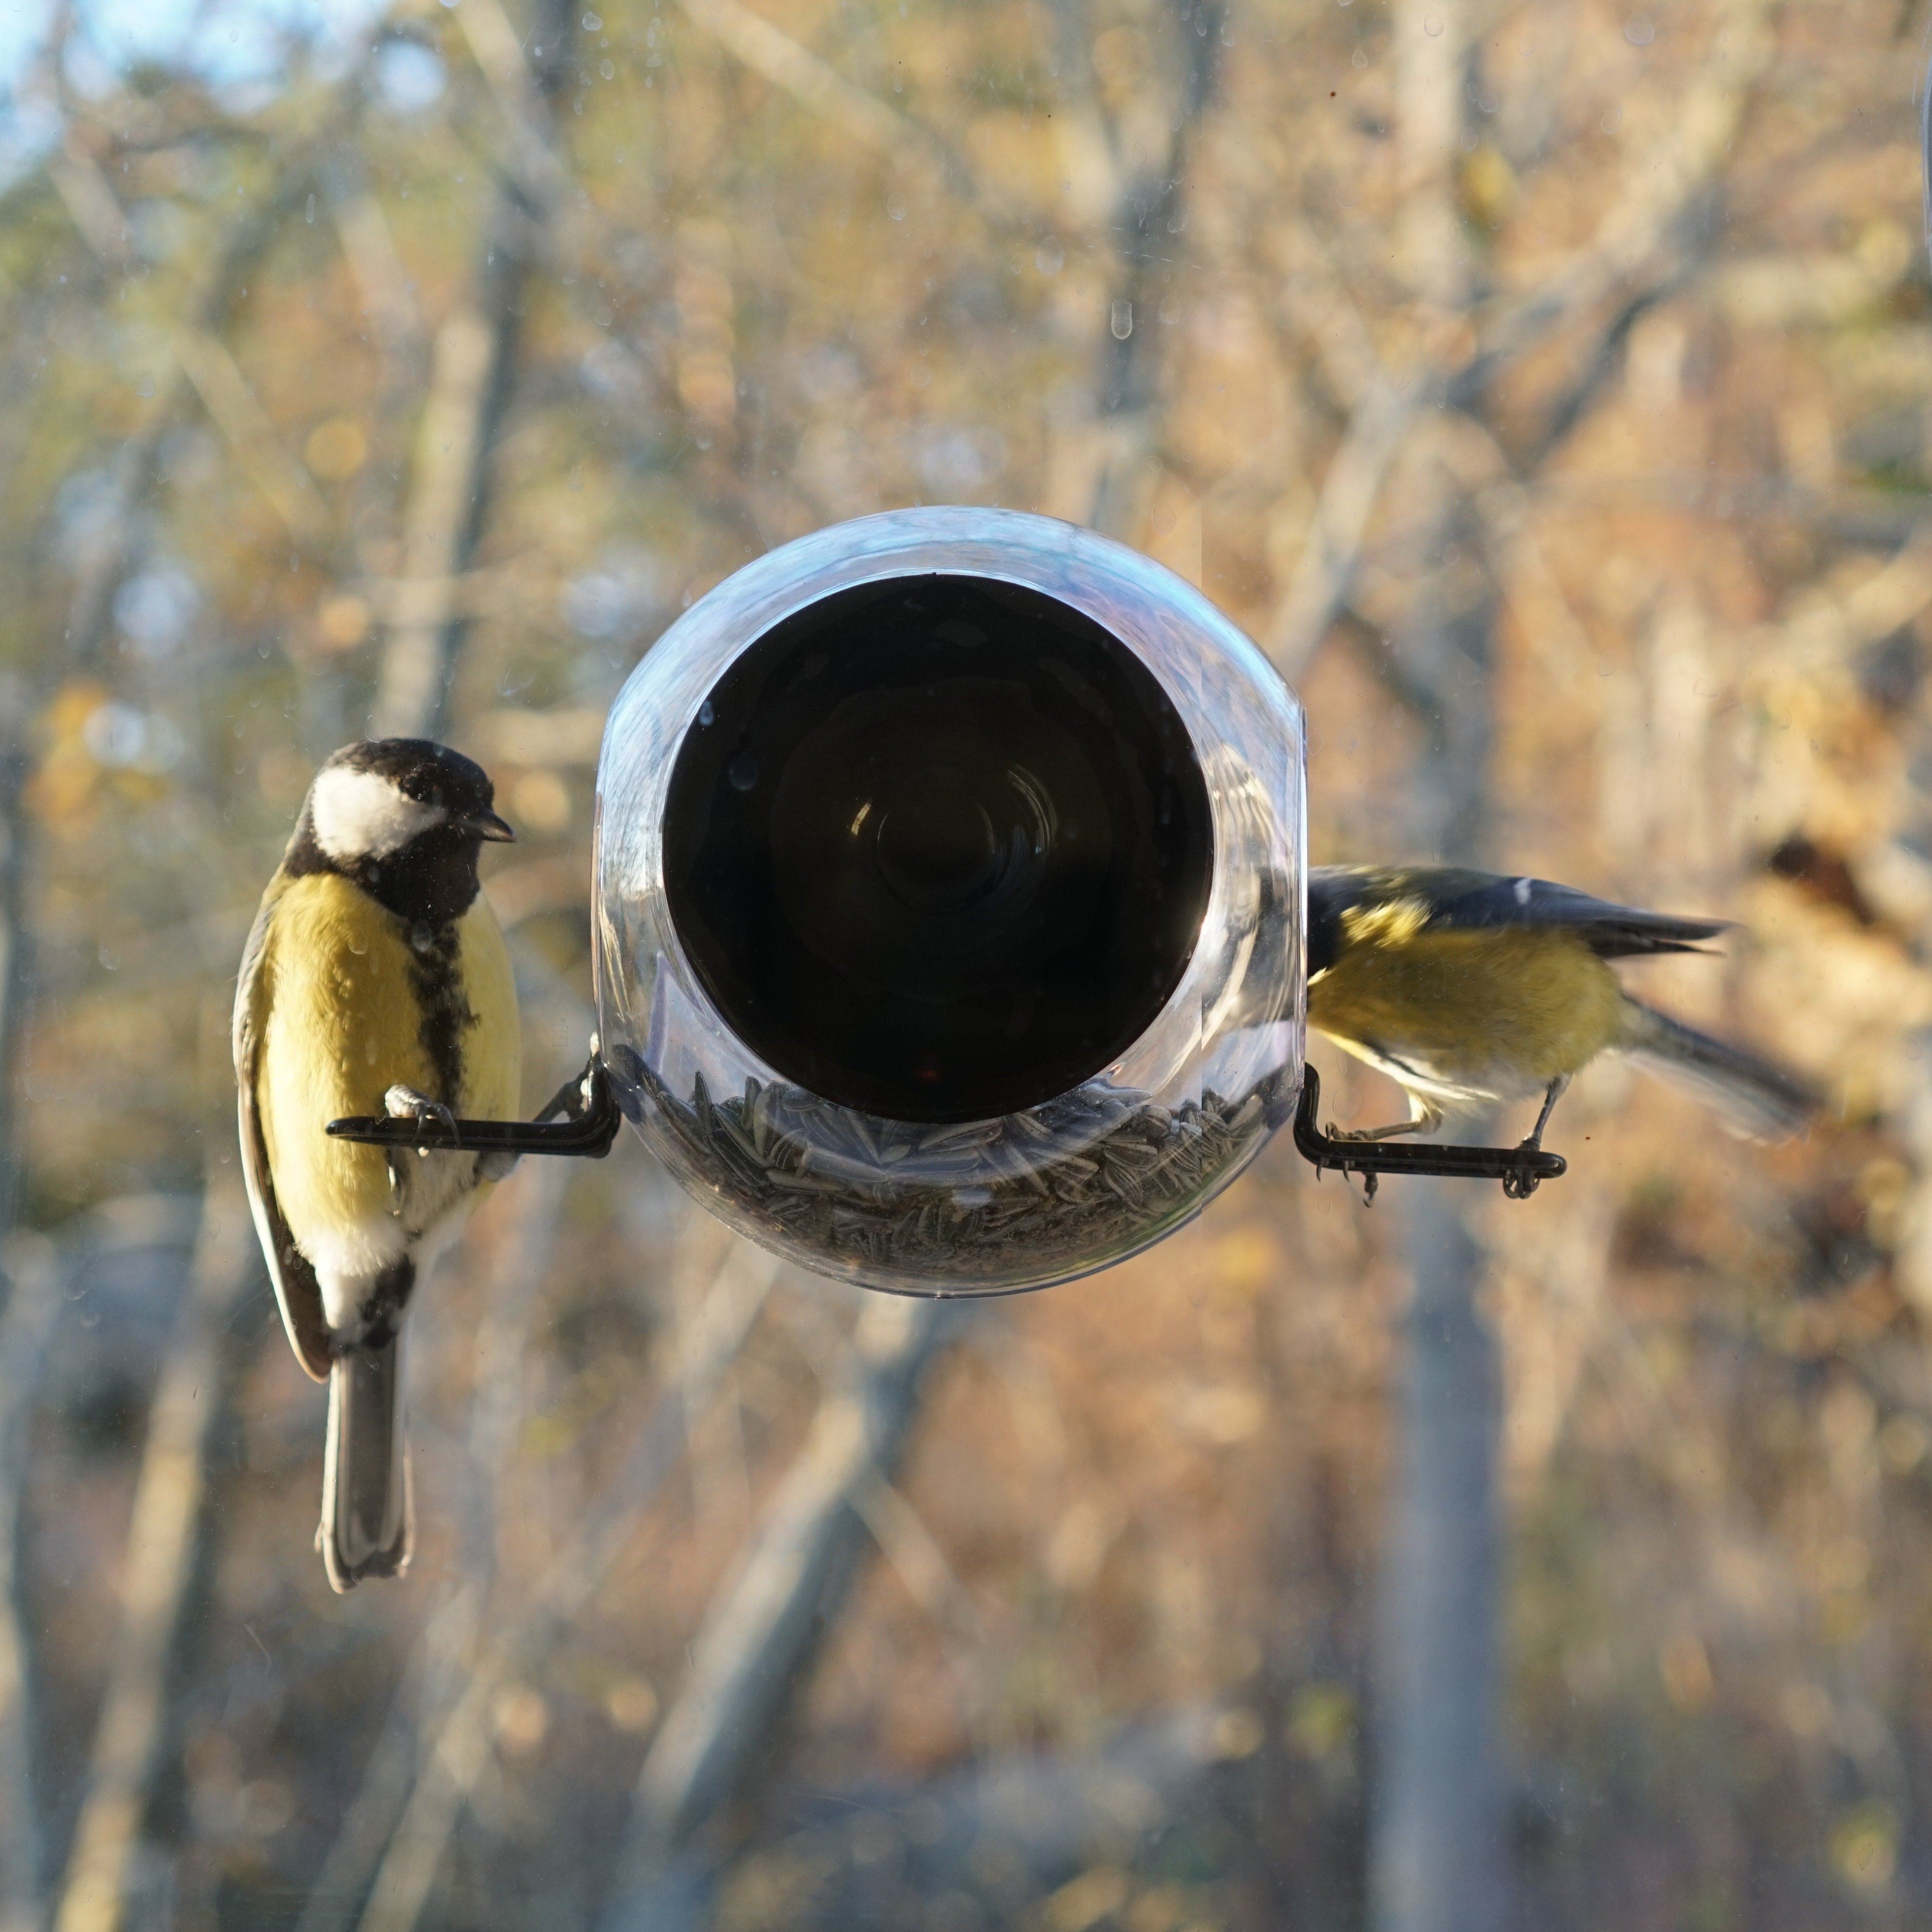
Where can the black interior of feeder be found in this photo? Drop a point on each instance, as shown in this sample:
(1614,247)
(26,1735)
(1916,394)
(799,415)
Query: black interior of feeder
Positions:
(938,847)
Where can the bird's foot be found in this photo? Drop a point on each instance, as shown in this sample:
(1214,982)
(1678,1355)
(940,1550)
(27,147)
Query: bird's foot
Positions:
(1520,1184)
(405,1103)
(1388,1133)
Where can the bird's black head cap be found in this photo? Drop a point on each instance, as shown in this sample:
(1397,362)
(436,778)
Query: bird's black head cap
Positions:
(404,818)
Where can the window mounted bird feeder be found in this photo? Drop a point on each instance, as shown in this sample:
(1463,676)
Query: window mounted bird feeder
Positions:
(950,910)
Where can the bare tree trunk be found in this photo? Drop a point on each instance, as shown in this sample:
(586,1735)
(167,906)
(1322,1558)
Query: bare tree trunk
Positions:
(25,1323)
(1437,1848)
(1437,1860)
(470,385)
(15,957)
(1438,1857)
(203,1362)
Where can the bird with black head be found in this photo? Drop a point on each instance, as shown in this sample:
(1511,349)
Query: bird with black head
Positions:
(375,981)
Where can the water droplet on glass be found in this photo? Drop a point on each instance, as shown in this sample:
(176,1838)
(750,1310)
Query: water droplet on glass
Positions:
(743,771)
(1049,258)
(705,713)
(592,24)
(1639,30)
(1432,25)
(308,213)
(1358,59)
(895,206)
(1122,321)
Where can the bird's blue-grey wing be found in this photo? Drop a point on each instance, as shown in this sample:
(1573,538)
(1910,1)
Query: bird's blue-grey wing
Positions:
(1480,899)
(297,1291)
(1455,899)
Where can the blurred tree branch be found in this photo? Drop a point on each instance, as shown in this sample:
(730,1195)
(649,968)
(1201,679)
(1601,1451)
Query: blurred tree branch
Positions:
(472,374)
(289,490)
(786,1589)
(205,1356)
(455,1744)
(136,464)
(1645,247)
(26,1322)
(769,51)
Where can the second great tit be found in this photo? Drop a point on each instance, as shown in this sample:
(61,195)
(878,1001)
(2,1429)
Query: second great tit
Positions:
(1467,989)
(375,980)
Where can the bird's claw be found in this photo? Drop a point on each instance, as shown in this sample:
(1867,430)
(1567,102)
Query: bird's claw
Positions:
(1520,1183)
(405,1103)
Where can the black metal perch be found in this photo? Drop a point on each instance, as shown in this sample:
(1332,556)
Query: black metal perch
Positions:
(1521,1169)
(590,1118)
(588,1126)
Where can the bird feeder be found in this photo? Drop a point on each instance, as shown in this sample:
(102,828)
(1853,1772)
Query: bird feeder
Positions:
(949,906)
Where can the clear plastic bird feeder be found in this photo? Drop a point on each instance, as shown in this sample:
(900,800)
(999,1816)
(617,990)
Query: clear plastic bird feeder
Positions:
(948,889)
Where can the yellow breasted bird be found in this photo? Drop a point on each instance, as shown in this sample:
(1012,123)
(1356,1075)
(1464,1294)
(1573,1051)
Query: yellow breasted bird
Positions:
(375,980)
(1467,989)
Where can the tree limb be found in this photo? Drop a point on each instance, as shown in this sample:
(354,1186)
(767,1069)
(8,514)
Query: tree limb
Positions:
(26,1323)
(1641,242)
(198,1375)
(788,1586)
(470,391)
(453,1750)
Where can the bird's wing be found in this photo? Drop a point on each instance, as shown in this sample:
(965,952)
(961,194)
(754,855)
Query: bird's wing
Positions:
(296,1288)
(1448,899)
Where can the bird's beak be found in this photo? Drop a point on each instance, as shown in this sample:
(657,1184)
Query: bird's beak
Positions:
(488,825)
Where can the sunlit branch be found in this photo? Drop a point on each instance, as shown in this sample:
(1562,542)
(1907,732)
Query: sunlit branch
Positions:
(286,485)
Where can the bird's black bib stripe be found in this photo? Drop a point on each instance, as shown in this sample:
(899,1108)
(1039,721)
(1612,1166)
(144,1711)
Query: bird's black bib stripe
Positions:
(446,1015)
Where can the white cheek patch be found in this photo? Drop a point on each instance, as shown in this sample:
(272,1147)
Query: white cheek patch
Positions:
(362,815)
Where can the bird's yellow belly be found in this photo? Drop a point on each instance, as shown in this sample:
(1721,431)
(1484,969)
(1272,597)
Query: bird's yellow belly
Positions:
(344,1024)
(1500,1011)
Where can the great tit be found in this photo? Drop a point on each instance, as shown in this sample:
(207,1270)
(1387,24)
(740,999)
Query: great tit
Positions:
(375,980)
(1467,989)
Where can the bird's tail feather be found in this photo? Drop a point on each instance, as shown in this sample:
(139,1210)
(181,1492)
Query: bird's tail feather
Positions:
(365,1528)
(1756,1098)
